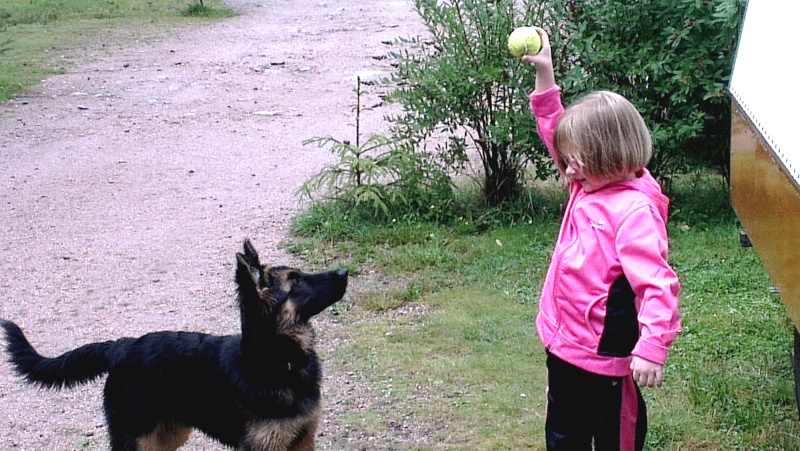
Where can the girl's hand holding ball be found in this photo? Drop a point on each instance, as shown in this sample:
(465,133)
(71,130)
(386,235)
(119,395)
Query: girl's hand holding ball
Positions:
(524,41)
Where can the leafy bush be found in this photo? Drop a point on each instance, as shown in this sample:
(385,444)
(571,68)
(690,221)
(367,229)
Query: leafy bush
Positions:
(672,58)
(463,83)
(462,91)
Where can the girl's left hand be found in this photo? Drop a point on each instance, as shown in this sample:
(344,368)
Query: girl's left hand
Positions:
(647,373)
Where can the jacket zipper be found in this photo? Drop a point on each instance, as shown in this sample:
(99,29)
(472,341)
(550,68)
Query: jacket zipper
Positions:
(561,249)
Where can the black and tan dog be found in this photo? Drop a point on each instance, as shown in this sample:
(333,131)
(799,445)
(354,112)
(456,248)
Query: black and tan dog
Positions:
(256,391)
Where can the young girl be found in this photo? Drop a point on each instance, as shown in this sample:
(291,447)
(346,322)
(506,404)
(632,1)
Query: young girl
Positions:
(609,306)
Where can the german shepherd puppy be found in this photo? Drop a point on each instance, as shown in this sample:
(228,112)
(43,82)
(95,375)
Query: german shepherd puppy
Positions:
(256,391)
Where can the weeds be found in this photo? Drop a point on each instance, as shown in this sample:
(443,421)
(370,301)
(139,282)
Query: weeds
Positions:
(5,45)
(200,9)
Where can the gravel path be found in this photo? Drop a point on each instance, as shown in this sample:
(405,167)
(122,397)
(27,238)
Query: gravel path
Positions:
(127,184)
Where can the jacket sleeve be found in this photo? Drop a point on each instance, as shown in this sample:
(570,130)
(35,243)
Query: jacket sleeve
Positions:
(547,109)
(642,248)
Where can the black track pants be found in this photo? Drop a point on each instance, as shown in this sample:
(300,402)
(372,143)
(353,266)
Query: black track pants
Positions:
(583,407)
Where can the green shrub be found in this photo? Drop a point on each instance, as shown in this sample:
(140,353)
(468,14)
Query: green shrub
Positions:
(672,58)
(463,85)
(460,88)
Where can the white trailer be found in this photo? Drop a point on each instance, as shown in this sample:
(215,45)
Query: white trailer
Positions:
(765,146)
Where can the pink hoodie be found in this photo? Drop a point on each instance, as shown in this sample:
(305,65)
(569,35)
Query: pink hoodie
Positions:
(610,292)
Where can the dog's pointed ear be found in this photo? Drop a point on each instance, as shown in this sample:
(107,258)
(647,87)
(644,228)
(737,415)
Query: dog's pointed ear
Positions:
(247,276)
(250,253)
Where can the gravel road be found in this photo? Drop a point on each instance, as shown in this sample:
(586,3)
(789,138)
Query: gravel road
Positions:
(128,184)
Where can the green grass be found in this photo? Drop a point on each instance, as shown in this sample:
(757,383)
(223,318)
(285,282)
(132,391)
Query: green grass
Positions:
(453,346)
(35,33)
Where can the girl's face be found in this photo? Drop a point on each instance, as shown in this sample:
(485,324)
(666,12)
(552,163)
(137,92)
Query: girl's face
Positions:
(574,173)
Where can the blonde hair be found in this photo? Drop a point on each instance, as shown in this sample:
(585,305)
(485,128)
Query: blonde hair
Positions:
(607,135)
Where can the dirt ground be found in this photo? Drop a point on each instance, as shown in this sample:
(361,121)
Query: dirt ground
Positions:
(128,184)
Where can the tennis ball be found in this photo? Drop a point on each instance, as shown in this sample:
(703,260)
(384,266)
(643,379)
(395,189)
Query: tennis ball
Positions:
(524,41)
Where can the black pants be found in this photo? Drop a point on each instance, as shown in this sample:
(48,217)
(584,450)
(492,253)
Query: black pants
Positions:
(583,406)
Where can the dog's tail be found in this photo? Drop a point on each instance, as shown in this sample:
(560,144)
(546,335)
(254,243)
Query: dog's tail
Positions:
(72,368)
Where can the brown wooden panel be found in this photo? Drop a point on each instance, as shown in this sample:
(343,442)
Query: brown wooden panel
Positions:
(767,202)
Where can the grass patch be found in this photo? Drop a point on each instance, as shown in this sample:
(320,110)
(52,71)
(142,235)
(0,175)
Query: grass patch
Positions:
(454,349)
(465,373)
(34,34)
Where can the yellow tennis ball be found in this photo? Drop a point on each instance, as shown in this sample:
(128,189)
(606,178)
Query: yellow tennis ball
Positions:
(524,41)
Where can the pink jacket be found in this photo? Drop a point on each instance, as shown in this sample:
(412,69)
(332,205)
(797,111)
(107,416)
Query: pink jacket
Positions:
(609,293)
